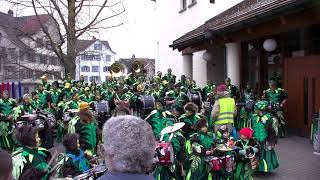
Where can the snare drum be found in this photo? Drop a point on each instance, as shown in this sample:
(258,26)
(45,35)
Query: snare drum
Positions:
(195,97)
(101,107)
(229,163)
(165,154)
(147,102)
(99,171)
(215,163)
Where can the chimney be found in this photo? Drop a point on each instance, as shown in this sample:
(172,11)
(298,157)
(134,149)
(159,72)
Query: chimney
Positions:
(10,12)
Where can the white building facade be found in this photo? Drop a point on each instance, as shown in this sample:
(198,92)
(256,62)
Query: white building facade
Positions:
(94,60)
(177,17)
(25,51)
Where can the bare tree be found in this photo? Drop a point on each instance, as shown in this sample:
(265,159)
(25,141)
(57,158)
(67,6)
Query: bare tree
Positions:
(73,19)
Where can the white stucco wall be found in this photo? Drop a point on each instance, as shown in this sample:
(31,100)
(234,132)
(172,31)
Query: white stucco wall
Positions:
(172,25)
(102,63)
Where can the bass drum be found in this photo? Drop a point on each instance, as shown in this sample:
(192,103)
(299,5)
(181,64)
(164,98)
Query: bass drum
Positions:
(147,102)
(102,107)
(195,97)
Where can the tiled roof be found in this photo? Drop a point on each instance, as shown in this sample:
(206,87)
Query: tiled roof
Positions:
(30,24)
(19,26)
(81,45)
(245,10)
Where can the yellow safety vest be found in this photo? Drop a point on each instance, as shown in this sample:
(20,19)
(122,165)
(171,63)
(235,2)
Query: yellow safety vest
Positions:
(226,115)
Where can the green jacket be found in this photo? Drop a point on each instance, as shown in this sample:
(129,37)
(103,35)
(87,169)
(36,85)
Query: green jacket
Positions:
(26,158)
(6,106)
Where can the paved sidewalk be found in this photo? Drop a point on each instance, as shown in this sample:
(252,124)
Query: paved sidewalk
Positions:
(296,159)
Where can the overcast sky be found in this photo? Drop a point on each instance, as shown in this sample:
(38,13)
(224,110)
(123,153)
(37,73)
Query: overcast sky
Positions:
(137,35)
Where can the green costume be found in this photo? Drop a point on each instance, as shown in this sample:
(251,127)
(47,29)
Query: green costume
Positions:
(244,170)
(172,172)
(73,104)
(87,136)
(199,143)
(25,158)
(265,133)
(157,122)
(170,78)
(190,121)
(55,95)
(6,136)
(276,97)
(43,99)
(207,90)
(86,98)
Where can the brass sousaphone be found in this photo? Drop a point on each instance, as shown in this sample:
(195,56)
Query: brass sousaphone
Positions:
(117,69)
(137,67)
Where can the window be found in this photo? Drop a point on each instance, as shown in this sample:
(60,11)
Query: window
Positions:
(106,69)
(97,57)
(98,46)
(183,5)
(43,59)
(52,60)
(13,57)
(87,57)
(32,57)
(108,57)
(85,69)
(192,3)
(212,1)
(94,78)
(48,45)
(95,68)
(39,42)
(86,78)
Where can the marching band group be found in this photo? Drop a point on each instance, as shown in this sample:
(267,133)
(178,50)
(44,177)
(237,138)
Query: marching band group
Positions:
(216,132)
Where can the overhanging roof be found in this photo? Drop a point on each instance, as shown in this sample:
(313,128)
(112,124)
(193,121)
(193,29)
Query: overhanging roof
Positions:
(246,13)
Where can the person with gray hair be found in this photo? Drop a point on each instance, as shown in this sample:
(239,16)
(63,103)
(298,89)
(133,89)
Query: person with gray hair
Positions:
(129,146)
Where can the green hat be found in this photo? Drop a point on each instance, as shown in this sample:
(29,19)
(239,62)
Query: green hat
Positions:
(261,105)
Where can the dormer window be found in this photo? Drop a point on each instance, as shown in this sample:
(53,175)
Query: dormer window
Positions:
(97,46)
(183,5)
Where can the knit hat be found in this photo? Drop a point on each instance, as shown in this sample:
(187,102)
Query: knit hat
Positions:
(222,88)
(261,105)
(247,132)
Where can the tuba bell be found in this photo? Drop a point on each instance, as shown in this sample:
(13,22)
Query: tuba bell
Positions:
(117,69)
(137,66)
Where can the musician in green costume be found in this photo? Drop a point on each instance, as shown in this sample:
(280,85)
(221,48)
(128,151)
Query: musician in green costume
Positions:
(6,116)
(201,145)
(87,130)
(190,118)
(277,96)
(265,133)
(247,151)
(87,96)
(176,171)
(155,118)
(30,156)
(75,161)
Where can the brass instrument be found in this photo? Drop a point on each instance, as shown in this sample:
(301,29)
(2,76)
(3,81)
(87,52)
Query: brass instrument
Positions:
(117,69)
(137,67)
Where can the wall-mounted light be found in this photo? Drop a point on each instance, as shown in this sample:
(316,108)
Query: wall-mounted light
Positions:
(207,56)
(269,45)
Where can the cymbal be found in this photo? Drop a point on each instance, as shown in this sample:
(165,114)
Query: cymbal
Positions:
(224,148)
(73,110)
(173,128)
(30,116)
